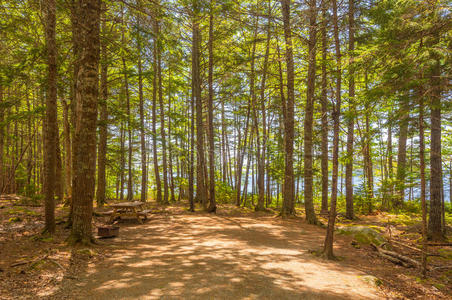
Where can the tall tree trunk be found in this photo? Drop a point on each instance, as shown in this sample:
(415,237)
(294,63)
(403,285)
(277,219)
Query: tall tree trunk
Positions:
(129,134)
(191,165)
(262,148)
(162,110)
(241,149)
(122,159)
(288,193)
(84,163)
(67,148)
(390,187)
(170,144)
(212,203)
(103,121)
(144,173)
(401,156)
(324,103)
(2,173)
(201,189)
(435,221)
(51,117)
(328,246)
(223,143)
(450,181)
(255,126)
(30,137)
(247,172)
(129,121)
(368,158)
(309,114)
(73,107)
(422,175)
(59,176)
(154,117)
(349,212)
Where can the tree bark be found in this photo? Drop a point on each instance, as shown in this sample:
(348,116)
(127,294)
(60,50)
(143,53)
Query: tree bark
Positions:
(2,133)
(191,165)
(67,148)
(422,175)
(309,114)
(59,176)
(401,156)
(328,246)
(144,173)
(324,103)
(262,148)
(51,117)
(129,118)
(162,109)
(435,221)
(154,118)
(288,189)
(349,211)
(122,159)
(75,105)
(390,187)
(201,189)
(170,145)
(255,126)
(241,149)
(368,154)
(223,143)
(212,203)
(103,122)
(84,164)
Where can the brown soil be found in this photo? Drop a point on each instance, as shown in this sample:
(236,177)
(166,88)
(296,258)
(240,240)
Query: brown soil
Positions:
(182,255)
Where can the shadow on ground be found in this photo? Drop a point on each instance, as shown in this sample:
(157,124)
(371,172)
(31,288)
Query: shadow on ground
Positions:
(198,256)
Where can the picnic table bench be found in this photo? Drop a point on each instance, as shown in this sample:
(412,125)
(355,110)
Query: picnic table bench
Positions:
(128,209)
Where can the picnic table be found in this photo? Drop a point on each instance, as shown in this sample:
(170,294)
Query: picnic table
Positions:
(128,209)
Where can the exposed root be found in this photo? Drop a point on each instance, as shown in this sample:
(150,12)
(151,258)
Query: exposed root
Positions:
(396,258)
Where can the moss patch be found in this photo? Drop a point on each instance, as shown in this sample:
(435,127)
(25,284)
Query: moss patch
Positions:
(363,234)
(372,280)
(21,210)
(14,220)
(446,253)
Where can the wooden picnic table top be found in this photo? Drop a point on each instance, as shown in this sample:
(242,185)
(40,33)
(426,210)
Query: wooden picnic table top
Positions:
(127,204)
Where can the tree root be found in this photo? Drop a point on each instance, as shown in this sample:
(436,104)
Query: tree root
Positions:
(397,258)
(20,263)
(439,244)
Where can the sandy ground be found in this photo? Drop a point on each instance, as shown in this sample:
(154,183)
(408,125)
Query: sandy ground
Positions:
(201,256)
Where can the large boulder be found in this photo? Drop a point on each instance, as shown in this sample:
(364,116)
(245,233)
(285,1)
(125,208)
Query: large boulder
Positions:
(363,234)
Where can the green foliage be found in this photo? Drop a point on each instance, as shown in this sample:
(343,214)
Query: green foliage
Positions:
(22,210)
(224,193)
(14,220)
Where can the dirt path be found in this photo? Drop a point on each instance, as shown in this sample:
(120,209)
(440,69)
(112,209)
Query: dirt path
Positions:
(199,256)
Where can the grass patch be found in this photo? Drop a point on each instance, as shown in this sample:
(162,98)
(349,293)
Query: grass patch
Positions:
(439,286)
(22,211)
(14,220)
(42,238)
(86,252)
(372,280)
(446,253)
(405,219)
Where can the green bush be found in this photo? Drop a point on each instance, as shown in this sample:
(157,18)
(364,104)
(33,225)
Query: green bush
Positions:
(224,192)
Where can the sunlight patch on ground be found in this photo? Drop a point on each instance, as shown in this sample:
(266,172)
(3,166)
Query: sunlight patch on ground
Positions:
(314,275)
(212,258)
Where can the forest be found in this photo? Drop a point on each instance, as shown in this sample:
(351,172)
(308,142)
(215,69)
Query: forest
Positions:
(264,143)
